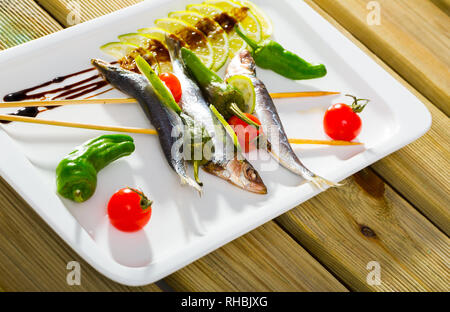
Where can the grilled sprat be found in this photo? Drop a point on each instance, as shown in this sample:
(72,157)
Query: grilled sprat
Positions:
(277,140)
(223,160)
(166,121)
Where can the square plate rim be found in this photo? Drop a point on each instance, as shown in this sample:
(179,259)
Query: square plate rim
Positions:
(37,196)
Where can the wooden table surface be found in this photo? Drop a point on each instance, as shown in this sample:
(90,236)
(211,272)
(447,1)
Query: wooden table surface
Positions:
(395,212)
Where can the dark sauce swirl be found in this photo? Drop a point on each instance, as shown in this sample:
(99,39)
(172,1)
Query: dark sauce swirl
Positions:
(69,92)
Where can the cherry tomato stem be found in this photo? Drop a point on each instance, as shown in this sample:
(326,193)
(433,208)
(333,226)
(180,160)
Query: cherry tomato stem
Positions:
(341,121)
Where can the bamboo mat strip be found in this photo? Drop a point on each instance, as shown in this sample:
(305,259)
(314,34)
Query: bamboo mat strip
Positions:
(22,21)
(85,9)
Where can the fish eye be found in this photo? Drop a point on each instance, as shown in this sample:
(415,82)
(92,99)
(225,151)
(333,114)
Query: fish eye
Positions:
(250,173)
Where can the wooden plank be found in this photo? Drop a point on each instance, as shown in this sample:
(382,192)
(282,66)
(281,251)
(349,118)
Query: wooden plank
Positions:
(346,230)
(419,171)
(444,5)
(89,9)
(22,21)
(413,38)
(266,259)
(34,258)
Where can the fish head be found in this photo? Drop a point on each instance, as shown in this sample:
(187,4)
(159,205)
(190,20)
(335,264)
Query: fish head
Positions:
(174,46)
(124,80)
(109,72)
(102,66)
(240,173)
(242,64)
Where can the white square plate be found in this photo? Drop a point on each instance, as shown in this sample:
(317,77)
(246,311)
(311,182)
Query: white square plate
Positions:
(185,227)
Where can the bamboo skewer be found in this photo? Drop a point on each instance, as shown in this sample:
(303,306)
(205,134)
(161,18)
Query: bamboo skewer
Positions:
(141,130)
(66,102)
(131,100)
(76,125)
(323,142)
(280,95)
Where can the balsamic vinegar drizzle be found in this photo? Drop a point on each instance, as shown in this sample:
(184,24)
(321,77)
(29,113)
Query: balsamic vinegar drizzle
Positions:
(69,92)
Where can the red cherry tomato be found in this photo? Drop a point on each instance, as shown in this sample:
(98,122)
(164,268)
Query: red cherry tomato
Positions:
(129,210)
(173,84)
(341,121)
(247,134)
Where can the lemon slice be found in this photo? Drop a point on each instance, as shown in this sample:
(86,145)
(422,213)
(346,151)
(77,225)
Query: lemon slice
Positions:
(118,50)
(246,19)
(235,42)
(216,35)
(193,37)
(264,20)
(245,85)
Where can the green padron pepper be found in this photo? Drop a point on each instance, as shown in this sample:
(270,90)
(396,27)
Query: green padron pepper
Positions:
(76,174)
(226,99)
(269,54)
(196,138)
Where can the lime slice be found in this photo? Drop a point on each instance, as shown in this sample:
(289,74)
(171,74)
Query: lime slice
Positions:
(245,85)
(235,42)
(138,39)
(189,17)
(153,45)
(206,9)
(247,19)
(193,37)
(216,35)
(155,32)
(118,50)
(264,20)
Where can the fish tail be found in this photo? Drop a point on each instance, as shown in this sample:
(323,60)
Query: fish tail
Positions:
(322,183)
(192,183)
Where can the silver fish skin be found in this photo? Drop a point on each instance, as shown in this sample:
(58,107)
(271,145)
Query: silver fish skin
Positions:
(223,161)
(277,141)
(165,121)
